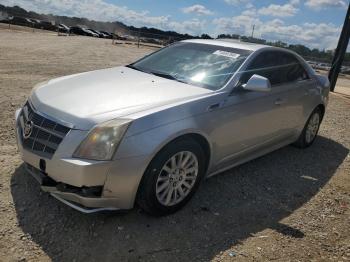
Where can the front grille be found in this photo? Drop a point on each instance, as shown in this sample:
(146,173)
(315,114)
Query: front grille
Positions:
(45,136)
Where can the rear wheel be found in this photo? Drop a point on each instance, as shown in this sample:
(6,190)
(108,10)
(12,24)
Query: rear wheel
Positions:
(310,131)
(172,177)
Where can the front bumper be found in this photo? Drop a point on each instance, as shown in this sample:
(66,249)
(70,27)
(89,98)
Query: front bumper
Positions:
(74,200)
(118,179)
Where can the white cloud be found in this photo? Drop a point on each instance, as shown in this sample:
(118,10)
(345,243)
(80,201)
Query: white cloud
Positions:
(314,35)
(249,5)
(322,4)
(279,10)
(195,25)
(323,36)
(241,24)
(249,12)
(197,9)
(236,2)
(101,10)
(294,2)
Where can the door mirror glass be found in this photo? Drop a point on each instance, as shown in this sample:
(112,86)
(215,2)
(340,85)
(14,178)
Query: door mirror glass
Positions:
(258,83)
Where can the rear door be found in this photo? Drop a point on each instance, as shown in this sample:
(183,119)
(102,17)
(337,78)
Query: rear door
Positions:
(293,91)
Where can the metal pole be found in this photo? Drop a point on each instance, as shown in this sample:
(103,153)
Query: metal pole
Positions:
(138,40)
(340,52)
(253,31)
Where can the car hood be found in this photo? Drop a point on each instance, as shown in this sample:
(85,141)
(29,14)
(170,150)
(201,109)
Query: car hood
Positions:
(93,97)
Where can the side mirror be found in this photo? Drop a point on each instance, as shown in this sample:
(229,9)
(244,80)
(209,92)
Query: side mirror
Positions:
(258,83)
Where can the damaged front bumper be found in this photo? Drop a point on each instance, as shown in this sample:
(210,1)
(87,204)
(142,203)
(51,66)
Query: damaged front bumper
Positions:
(85,185)
(83,199)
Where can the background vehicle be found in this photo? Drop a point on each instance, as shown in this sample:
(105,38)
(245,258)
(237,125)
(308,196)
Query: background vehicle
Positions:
(82,31)
(118,37)
(63,28)
(160,125)
(78,31)
(312,64)
(107,35)
(15,20)
(90,33)
(323,66)
(36,22)
(47,25)
(99,34)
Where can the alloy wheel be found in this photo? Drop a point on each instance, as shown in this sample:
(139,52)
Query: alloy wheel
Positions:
(177,178)
(312,128)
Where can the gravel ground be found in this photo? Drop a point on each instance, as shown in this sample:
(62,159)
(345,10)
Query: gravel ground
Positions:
(290,205)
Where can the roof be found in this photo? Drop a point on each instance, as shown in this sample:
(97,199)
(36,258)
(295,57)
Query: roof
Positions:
(228,43)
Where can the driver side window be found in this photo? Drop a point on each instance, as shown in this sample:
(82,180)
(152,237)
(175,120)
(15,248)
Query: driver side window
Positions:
(266,65)
(279,67)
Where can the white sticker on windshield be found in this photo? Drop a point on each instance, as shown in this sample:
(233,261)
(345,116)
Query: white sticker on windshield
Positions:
(227,54)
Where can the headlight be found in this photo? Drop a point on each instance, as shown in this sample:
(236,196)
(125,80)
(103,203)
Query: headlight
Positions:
(103,140)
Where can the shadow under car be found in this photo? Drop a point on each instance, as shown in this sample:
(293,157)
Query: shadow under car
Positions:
(226,209)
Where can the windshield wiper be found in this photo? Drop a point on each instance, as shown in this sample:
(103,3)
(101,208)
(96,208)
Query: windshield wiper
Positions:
(167,76)
(135,68)
(156,73)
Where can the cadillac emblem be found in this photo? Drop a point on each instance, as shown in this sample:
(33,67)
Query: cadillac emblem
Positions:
(27,129)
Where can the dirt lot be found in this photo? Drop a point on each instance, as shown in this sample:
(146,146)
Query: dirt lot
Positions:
(291,205)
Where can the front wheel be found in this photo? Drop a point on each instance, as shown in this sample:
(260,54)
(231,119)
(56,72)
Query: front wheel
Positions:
(172,177)
(310,131)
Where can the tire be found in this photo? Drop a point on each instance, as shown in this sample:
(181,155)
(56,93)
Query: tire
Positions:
(304,140)
(161,175)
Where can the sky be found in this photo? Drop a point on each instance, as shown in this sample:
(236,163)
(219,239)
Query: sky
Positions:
(314,23)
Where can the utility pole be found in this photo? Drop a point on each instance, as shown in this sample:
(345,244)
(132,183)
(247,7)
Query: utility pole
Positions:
(253,31)
(340,52)
(138,38)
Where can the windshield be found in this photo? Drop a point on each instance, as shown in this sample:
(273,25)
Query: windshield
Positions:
(208,66)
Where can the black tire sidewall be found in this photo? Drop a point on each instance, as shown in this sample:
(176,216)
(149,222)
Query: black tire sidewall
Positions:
(304,142)
(150,177)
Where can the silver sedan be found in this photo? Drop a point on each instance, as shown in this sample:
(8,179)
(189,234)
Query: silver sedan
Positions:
(149,132)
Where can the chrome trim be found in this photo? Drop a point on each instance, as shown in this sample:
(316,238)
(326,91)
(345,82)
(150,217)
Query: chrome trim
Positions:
(50,131)
(60,121)
(81,209)
(33,142)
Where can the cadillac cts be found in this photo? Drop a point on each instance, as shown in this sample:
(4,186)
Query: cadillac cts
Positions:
(149,132)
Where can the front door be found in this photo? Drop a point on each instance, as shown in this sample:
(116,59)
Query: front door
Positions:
(250,121)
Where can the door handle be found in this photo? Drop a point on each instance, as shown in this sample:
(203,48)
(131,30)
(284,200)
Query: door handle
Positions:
(216,106)
(279,102)
(213,107)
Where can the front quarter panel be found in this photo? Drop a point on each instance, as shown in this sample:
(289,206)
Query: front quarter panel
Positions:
(134,155)
(150,131)
(148,135)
